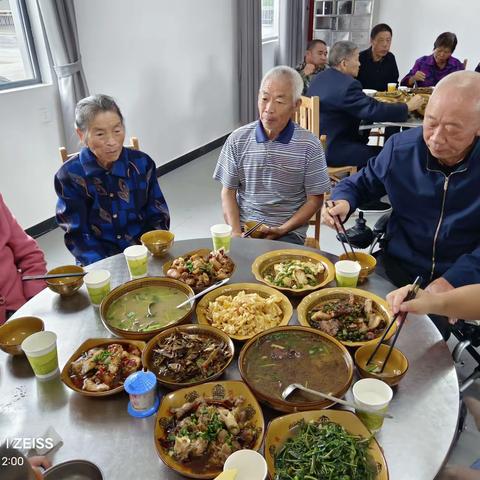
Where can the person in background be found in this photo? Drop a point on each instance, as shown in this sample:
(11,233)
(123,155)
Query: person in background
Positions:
(19,255)
(343,105)
(462,303)
(430,69)
(477,69)
(378,66)
(108,195)
(315,61)
(431,175)
(273,170)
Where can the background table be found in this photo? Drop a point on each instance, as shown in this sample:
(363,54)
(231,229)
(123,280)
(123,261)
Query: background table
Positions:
(416,442)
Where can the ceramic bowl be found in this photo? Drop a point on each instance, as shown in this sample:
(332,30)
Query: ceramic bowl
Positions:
(380,306)
(84,347)
(394,371)
(158,242)
(133,285)
(367,262)
(217,391)
(68,285)
(282,428)
(272,397)
(234,289)
(73,469)
(16,330)
(263,264)
(369,91)
(204,330)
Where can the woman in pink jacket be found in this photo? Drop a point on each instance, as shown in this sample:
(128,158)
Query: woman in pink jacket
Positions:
(19,255)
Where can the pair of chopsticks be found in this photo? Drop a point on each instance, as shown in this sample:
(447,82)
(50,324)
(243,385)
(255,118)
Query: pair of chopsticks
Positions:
(53,275)
(344,232)
(254,228)
(410,296)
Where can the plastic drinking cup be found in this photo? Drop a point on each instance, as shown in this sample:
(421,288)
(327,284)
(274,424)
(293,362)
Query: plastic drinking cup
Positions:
(372,394)
(347,272)
(391,87)
(137,256)
(41,351)
(98,285)
(221,236)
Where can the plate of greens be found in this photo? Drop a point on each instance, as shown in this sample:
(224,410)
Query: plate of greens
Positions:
(321,445)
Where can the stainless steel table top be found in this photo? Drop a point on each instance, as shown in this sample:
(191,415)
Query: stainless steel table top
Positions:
(416,442)
(412,122)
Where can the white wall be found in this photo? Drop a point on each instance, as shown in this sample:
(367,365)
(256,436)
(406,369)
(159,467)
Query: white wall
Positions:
(171,65)
(417,23)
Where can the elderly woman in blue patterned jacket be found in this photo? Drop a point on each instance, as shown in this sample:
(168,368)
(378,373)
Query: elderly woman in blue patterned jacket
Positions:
(108,195)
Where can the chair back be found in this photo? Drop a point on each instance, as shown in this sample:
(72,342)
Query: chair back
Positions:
(308,114)
(64,155)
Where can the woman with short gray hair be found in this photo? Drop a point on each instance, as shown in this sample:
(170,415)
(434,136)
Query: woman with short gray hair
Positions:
(108,195)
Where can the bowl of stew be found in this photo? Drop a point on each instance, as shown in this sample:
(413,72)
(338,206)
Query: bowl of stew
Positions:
(141,308)
(274,359)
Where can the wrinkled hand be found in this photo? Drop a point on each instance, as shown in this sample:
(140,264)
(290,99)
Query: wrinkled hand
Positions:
(440,285)
(309,69)
(341,209)
(422,304)
(415,102)
(419,76)
(271,233)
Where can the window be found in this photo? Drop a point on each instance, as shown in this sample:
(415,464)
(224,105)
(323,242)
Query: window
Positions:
(18,61)
(269,19)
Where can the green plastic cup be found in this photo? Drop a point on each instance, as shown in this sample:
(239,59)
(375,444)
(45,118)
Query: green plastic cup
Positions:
(347,272)
(374,395)
(221,236)
(137,261)
(98,285)
(41,351)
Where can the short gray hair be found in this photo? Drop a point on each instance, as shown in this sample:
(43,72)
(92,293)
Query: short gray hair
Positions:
(89,107)
(292,76)
(340,51)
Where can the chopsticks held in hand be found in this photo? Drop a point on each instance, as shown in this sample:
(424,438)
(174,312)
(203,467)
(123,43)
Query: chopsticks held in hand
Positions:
(253,229)
(410,296)
(53,275)
(343,233)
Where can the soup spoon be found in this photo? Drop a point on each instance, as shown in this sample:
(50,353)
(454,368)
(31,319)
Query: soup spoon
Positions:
(294,386)
(203,292)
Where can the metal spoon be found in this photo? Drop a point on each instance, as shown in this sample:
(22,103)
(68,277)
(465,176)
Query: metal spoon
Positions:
(203,292)
(294,386)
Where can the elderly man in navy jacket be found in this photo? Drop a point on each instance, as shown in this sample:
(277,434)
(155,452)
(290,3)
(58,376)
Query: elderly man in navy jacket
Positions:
(432,177)
(343,105)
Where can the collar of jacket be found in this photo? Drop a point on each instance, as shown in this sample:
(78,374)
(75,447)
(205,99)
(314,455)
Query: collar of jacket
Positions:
(92,167)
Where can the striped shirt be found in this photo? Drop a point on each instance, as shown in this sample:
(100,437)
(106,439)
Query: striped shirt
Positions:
(272,178)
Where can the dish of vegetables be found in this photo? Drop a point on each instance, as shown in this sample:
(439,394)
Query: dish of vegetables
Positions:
(295,274)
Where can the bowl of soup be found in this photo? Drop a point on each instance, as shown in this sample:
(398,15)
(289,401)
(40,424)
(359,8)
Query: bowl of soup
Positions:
(16,330)
(65,286)
(141,308)
(278,357)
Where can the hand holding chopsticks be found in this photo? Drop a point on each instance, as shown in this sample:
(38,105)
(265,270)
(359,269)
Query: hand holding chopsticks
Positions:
(253,229)
(410,296)
(336,222)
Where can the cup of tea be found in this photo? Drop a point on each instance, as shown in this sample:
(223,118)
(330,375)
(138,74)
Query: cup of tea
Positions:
(98,285)
(221,236)
(391,87)
(137,261)
(373,395)
(347,272)
(41,351)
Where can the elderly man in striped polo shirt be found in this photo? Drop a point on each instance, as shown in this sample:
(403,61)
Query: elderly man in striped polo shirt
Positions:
(272,169)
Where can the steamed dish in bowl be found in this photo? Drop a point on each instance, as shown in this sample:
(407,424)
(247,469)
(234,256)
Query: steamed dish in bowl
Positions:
(147,308)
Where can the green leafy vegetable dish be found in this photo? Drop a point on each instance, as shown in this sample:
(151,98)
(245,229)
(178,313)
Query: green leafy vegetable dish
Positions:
(324,451)
(296,274)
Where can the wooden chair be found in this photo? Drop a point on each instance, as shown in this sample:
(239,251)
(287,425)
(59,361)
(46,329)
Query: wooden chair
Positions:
(64,155)
(308,117)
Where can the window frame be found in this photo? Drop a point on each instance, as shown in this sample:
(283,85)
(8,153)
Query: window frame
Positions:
(276,23)
(32,53)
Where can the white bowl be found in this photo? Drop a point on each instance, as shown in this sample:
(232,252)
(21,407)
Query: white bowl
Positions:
(249,463)
(369,91)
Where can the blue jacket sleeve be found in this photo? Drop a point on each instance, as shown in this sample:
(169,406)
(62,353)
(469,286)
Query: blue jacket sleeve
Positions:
(72,216)
(369,183)
(465,271)
(361,106)
(158,216)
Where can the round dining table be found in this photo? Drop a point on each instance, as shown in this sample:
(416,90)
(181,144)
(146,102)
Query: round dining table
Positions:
(415,442)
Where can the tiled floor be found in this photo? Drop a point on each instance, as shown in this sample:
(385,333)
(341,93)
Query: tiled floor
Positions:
(194,201)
